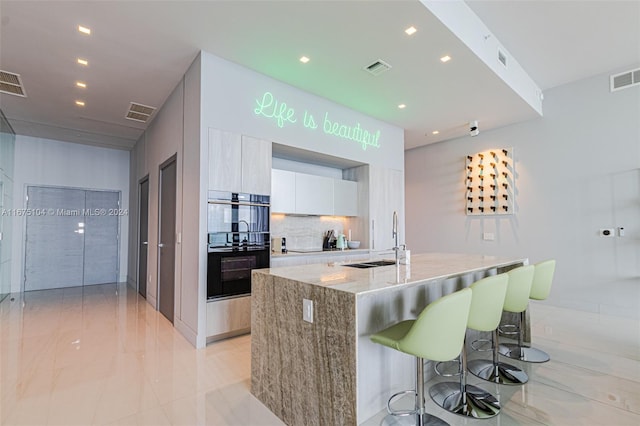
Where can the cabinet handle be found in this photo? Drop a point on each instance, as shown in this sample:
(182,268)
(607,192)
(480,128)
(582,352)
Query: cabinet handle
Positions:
(160,245)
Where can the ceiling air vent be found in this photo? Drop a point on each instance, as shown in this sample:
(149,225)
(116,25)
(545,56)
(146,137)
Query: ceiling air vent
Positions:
(625,79)
(502,58)
(139,112)
(11,84)
(377,68)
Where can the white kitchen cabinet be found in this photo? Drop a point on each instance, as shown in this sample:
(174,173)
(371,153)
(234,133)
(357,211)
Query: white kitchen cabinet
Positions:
(386,191)
(299,193)
(314,195)
(345,198)
(283,191)
(225,161)
(239,163)
(256,166)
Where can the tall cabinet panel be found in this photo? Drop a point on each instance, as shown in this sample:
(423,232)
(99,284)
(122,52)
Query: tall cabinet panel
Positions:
(256,166)
(386,189)
(225,161)
(239,163)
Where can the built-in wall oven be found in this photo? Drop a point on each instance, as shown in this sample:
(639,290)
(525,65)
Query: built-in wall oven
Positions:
(238,242)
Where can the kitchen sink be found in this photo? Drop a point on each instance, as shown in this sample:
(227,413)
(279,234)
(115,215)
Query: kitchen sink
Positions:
(373,264)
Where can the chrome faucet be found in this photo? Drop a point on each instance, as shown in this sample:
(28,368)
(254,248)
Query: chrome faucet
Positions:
(395,228)
(394,234)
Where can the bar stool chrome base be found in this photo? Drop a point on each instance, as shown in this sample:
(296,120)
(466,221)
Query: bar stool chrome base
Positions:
(523,353)
(417,414)
(479,403)
(415,420)
(506,375)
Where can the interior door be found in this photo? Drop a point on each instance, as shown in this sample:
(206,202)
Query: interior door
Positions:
(166,245)
(54,246)
(143,236)
(101,237)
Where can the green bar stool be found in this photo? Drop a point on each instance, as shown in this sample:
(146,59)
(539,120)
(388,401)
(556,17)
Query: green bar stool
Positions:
(437,334)
(484,315)
(540,289)
(516,300)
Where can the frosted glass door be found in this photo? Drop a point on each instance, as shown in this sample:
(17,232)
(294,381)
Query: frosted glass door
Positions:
(101,237)
(71,238)
(54,253)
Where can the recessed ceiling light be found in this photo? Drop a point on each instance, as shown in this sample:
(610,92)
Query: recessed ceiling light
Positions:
(304,59)
(81,84)
(402,106)
(445,58)
(410,30)
(435,132)
(84,30)
(83,61)
(80,103)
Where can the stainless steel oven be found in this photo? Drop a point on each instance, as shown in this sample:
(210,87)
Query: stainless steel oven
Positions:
(238,242)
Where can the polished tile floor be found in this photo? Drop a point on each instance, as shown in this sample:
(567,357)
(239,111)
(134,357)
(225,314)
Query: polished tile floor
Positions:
(101,355)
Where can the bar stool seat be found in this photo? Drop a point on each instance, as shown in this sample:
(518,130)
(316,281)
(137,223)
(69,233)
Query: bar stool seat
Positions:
(516,300)
(437,334)
(540,289)
(484,315)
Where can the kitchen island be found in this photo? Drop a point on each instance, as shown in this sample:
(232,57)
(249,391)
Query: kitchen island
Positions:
(327,371)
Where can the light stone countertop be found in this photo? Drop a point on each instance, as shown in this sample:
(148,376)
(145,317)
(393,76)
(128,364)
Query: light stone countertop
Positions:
(293,253)
(423,267)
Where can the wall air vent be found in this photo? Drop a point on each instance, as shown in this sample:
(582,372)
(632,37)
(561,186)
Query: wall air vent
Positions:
(625,79)
(377,68)
(139,112)
(11,84)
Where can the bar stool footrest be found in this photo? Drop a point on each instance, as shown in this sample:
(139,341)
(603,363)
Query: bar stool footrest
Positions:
(475,345)
(437,365)
(402,413)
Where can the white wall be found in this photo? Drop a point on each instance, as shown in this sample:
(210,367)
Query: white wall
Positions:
(56,163)
(229,99)
(577,170)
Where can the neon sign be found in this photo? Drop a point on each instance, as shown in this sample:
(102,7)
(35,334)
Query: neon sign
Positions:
(283,114)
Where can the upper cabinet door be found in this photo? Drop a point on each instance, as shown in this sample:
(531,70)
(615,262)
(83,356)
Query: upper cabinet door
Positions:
(225,161)
(314,195)
(345,198)
(283,191)
(256,166)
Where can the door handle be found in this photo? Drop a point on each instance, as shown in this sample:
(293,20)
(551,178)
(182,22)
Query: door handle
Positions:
(160,245)
(145,243)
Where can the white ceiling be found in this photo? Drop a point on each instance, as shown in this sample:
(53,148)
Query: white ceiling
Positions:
(139,50)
